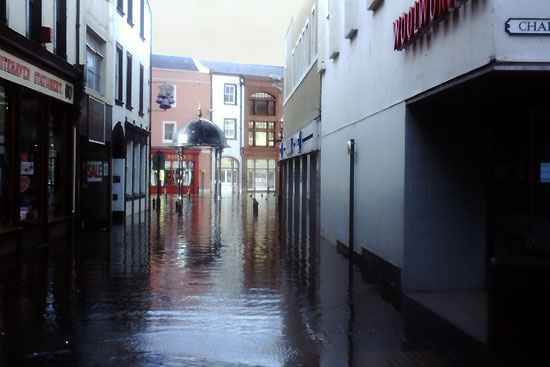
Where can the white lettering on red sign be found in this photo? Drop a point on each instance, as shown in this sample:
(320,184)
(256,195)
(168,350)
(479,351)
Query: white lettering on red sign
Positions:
(94,171)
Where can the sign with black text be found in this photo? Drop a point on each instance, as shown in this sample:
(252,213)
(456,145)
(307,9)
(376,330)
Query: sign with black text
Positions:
(531,26)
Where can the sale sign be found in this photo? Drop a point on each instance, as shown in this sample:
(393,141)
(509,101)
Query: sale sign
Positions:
(94,171)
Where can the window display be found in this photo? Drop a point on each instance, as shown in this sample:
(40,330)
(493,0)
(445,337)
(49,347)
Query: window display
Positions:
(4,159)
(29,152)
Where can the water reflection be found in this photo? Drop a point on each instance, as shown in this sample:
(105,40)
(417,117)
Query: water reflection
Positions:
(217,283)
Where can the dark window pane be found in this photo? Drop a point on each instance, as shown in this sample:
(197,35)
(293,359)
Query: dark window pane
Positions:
(56,170)
(5,144)
(261,107)
(251,104)
(271,108)
(30,158)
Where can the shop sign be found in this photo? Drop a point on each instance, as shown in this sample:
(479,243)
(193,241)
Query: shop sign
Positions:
(528,26)
(94,171)
(419,18)
(28,75)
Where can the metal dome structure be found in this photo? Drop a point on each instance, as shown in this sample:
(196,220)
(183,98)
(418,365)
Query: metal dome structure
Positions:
(201,133)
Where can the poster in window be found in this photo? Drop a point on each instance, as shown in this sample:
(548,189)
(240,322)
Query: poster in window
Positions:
(545,172)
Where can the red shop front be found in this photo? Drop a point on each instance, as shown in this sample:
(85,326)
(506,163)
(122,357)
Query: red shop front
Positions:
(172,170)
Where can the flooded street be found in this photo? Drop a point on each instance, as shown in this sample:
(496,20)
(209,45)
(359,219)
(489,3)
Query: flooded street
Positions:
(218,285)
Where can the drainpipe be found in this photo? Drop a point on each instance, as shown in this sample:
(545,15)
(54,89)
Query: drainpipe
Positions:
(241,181)
(351,152)
(77,35)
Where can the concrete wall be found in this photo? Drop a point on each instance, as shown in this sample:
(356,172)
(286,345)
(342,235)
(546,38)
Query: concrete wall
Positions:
(379,184)
(302,94)
(519,48)
(364,89)
(445,200)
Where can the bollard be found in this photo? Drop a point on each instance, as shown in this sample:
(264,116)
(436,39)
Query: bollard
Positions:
(154,202)
(255,206)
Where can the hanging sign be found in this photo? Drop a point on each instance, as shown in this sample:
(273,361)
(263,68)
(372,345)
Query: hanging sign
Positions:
(528,26)
(28,75)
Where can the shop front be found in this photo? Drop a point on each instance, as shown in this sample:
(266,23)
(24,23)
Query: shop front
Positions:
(38,112)
(477,169)
(174,170)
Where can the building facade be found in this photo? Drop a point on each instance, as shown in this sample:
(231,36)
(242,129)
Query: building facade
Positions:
(246,105)
(191,90)
(114,127)
(446,105)
(300,148)
(40,91)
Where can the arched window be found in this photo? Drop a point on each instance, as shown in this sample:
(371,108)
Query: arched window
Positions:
(262,104)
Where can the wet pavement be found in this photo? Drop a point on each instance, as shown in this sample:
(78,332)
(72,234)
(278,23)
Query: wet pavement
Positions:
(218,285)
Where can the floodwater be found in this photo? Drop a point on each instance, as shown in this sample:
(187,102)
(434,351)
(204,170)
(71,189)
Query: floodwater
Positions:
(217,285)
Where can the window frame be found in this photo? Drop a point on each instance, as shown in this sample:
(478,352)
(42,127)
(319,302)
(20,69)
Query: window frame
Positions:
(164,124)
(141,89)
(270,130)
(225,94)
(119,75)
(60,24)
(130,12)
(270,101)
(4,12)
(129,81)
(142,19)
(234,123)
(120,7)
(94,47)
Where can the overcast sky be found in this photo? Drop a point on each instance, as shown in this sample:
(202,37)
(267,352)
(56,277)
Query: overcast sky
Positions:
(243,31)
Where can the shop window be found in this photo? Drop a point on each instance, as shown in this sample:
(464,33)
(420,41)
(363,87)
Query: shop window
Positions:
(261,174)
(229,171)
(56,167)
(168,129)
(229,129)
(119,74)
(94,60)
(5,146)
(262,104)
(129,81)
(229,96)
(29,153)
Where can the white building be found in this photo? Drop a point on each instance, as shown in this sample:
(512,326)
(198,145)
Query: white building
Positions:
(227,112)
(447,105)
(115,45)
(231,104)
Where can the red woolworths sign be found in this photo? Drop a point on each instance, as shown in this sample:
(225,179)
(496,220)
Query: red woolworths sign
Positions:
(419,17)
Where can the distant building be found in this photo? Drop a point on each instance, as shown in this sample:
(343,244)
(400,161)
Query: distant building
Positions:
(246,104)
(191,90)
(243,100)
